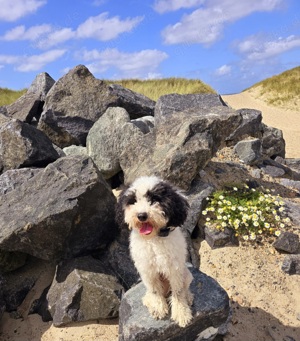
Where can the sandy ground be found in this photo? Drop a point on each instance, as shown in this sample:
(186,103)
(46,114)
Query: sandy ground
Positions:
(286,120)
(265,301)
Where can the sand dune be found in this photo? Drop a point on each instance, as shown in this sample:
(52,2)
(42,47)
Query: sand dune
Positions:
(286,120)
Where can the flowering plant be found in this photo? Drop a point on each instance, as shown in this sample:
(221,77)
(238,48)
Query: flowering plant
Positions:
(248,211)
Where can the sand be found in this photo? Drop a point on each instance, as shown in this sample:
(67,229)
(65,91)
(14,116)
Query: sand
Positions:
(265,301)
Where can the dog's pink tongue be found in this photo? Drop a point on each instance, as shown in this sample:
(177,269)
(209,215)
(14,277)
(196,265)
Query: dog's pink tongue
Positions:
(146,228)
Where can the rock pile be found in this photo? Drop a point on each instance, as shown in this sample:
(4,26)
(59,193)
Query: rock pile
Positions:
(57,205)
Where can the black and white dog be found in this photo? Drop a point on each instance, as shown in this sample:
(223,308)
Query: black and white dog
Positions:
(153,210)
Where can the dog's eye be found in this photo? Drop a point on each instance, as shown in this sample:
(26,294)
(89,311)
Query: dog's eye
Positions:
(154,199)
(131,201)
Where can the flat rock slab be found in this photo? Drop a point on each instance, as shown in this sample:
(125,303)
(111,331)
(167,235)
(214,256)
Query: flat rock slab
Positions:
(210,309)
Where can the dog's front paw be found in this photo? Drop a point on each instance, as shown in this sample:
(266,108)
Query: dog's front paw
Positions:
(181,314)
(157,305)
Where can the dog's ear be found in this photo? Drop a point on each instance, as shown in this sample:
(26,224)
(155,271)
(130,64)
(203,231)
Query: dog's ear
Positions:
(173,203)
(119,211)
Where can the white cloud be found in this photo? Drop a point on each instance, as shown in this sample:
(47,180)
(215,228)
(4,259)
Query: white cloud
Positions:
(34,62)
(223,70)
(104,28)
(162,6)
(12,10)
(256,49)
(32,34)
(56,37)
(206,25)
(129,65)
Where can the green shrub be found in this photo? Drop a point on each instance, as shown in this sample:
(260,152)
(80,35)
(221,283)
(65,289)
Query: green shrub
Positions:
(249,212)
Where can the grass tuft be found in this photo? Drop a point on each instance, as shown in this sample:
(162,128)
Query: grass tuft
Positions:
(8,96)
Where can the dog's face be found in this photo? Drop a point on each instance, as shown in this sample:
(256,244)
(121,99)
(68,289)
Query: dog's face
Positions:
(150,205)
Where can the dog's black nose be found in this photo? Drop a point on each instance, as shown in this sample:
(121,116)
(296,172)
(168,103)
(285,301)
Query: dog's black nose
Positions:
(142,216)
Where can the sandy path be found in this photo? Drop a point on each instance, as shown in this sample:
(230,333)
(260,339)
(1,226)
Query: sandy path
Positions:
(286,120)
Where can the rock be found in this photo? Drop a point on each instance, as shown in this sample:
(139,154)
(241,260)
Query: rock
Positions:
(168,105)
(65,130)
(293,163)
(41,85)
(290,183)
(19,283)
(248,151)
(22,145)
(68,203)
(3,116)
(77,100)
(287,242)
(145,124)
(83,290)
(179,146)
(108,137)
(291,264)
(14,178)
(210,309)
(292,210)
(137,105)
(75,150)
(26,108)
(250,126)
(273,143)
(216,238)
(279,169)
(10,261)
(275,172)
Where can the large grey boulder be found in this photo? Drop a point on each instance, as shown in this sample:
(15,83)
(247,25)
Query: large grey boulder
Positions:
(78,99)
(273,143)
(41,85)
(64,210)
(22,145)
(180,145)
(210,310)
(108,137)
(167,105)
(137,105)
(248,151)
(250,126)
(83,289)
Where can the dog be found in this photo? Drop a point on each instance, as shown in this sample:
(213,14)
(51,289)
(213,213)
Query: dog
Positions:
(154,210)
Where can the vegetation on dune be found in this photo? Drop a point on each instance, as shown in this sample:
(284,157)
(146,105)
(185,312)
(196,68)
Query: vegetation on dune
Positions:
(8,96)
(282,89)
(154,88)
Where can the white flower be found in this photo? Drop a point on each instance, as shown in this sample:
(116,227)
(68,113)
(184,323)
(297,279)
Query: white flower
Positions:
(221,197)
(245,237)
(204,212)
(267,225)
(235,188)
(277,233)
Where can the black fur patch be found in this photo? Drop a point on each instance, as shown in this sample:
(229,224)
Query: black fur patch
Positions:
(124,200)
(173,204)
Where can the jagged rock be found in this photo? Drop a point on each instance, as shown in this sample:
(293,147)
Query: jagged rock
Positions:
(65,130)
(83,289)
(10,261)
(216,238)
(75,150)
(26,108)
(167,105)
(14,178)
(77,100)
(273,143)
(41,85)
(210,309)
(287,242)
(291,264)
(290,183)
(293,163)
(137,105)
(68,203)
(250,126)
(19,282)
(145,124)
(22,145)
(179,146)
(3,111)
(292,210)
(249,151)
(3,116)
(108,137)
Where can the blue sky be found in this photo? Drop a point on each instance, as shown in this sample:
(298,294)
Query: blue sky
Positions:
(228,44)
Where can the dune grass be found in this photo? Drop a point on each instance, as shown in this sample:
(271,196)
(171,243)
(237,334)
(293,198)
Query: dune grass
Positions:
(8,96)
(281,90)
(154,88)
